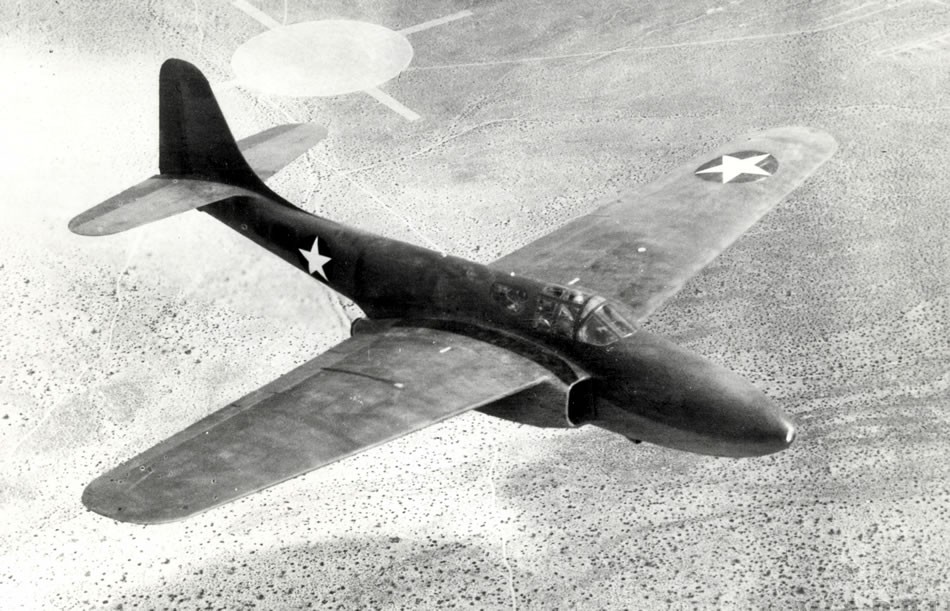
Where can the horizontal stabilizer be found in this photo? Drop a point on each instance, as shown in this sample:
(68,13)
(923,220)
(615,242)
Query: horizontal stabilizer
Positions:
(272,149)
(151,200)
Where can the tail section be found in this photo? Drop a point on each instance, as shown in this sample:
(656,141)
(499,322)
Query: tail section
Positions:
(199,161)
(194,138)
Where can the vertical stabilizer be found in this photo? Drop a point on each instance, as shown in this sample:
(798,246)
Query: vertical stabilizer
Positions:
(194,138)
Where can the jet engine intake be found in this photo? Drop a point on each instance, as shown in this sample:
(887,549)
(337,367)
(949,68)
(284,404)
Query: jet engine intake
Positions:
(580,405)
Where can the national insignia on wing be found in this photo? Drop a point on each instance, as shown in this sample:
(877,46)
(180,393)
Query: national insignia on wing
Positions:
(743,166)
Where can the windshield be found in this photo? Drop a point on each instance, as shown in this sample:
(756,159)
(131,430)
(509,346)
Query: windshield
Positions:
(604,326)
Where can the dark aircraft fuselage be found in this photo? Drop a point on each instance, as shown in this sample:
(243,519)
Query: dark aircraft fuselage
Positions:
(615,376)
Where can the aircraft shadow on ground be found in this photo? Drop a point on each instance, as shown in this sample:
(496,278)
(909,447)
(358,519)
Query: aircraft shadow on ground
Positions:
(350,573)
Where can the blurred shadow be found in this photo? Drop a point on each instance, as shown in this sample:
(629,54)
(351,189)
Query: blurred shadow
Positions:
(346,573)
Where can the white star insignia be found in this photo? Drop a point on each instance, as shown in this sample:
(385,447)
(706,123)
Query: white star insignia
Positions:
(315,259)
(731,167)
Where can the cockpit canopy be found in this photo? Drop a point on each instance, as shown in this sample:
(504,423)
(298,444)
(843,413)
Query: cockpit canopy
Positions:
(604,325)
(574,313)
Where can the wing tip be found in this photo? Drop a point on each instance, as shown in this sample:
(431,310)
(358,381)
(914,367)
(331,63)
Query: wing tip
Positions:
(90,223)
(109,496)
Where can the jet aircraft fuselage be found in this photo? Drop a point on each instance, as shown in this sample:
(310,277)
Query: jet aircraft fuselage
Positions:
(615,375)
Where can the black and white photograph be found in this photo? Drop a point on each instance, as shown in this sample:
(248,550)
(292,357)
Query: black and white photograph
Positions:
(475,305)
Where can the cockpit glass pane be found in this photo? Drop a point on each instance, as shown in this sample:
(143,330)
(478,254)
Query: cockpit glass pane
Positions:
(596,331)
(592,304)
(621,325)
(554,291)
(604,326)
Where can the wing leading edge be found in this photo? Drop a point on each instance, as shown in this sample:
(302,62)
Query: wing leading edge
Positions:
(366,391)
(642,246)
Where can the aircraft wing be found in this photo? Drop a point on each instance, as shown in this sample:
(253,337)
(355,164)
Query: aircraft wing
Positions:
(642,246)
(367,390)
(272,149)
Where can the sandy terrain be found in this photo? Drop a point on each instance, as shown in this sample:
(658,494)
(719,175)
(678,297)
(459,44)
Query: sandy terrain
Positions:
(836,304)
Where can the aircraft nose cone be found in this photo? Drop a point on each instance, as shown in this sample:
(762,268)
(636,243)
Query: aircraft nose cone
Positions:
(778,430)
(790,432)
(697,404)
(746,421)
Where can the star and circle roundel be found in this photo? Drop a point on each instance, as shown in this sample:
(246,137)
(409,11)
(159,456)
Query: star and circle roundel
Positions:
(743,166)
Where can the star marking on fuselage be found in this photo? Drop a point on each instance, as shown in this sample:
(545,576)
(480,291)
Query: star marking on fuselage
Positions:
(315,260)
(731,167)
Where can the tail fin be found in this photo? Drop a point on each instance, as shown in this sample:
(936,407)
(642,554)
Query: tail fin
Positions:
(194,138)
(199,161)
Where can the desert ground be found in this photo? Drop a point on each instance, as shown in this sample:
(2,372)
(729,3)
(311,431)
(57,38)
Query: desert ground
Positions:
(506,120)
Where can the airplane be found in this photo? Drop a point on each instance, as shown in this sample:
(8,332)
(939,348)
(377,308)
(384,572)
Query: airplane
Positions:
(548,335)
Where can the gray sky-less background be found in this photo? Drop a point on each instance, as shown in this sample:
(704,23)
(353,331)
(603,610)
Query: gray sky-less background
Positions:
(836,304)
